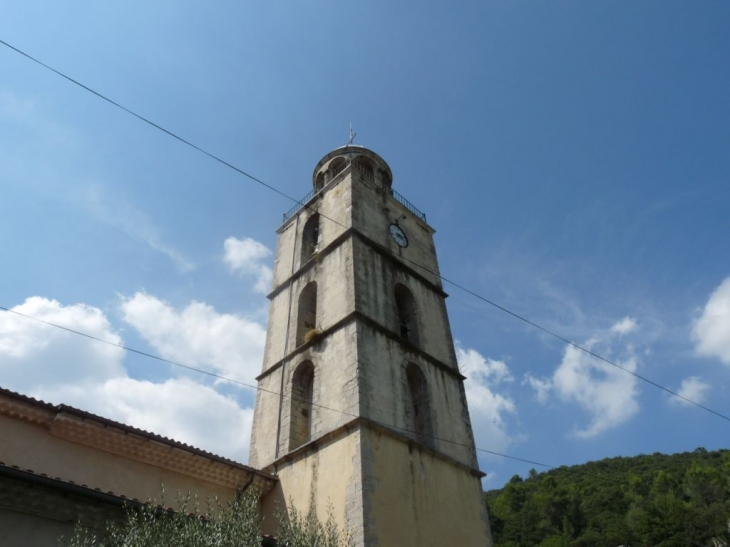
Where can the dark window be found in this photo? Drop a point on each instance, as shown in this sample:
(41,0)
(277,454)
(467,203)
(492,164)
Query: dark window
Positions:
(319,182)
(337,166)
(365,167)
(302,390)
(407,320)
(307,314)
(310,238)
(419,419)
(385,179)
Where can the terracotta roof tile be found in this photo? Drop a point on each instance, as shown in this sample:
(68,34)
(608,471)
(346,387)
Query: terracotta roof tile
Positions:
(63,408)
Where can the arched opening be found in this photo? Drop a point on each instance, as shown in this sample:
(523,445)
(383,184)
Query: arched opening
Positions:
(310,238)
(307,314)
(319,182)
(302,392)
(407,320)
(337,166)
(385,178)
(365,167)
(419,411)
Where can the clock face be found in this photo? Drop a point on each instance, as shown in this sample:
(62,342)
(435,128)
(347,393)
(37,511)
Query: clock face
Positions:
(397,233)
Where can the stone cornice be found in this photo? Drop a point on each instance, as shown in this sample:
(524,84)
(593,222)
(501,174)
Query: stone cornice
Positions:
(355,316)
(312,262)
(348,427)
(352,232)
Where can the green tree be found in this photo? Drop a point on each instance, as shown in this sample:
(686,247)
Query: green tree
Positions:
(682,500)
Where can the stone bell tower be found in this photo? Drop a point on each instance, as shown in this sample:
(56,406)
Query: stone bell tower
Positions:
(373,419)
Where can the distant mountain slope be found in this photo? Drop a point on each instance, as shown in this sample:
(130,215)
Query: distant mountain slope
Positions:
(679,500)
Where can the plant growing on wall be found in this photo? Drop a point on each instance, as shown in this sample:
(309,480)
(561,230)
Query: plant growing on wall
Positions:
(234,524)
(311,334)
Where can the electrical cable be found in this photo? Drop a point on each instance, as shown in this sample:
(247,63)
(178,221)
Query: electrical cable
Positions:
(304,205)
(258,388)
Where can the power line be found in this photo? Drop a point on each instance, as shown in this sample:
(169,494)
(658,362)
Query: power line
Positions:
(424,268)
(257,388)
(149,122)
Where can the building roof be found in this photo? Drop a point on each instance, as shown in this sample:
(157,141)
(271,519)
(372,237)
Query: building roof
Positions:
(83,427)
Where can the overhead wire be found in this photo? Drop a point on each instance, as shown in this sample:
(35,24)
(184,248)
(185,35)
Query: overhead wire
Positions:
(256,387)
(424,268)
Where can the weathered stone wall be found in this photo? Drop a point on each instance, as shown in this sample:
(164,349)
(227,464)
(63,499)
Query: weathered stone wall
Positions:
(374,209)
(327,475)
(334,203)
(335,394)
(384,397)
(331,268)
(416,499)
(376,277)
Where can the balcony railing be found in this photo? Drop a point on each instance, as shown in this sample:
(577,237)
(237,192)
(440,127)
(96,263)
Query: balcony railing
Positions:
(302,202)
(398,197)
(408,205)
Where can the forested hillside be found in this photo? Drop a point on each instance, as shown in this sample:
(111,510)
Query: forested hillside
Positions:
(678,500)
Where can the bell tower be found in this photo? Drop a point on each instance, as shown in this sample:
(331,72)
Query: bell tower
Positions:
(373,419)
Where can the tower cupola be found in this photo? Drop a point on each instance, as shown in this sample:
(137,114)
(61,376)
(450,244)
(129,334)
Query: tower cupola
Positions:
(370,164)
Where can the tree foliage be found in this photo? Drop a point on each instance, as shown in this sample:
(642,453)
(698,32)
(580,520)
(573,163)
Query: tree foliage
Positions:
(681,500)
(234,524)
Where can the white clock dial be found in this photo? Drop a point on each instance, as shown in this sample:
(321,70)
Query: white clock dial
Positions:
(397,233)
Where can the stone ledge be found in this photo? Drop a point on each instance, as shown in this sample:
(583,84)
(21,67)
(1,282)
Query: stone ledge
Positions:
(345,429)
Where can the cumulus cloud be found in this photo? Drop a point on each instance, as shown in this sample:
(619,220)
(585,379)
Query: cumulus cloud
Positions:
(692,388)
(36,354)
(198,336)
(711,332)
(487,408)
(58,366)
(179,408)
(607,394)
(246,256)
(625,326)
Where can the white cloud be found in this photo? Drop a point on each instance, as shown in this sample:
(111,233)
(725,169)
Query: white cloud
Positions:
(120,214)
(486,408)
(245,256)
(199,336)
(711,332)
(35,354)
(179,408)
(607,394)
(541,387)
(692,388)
(61,367)
(625,326)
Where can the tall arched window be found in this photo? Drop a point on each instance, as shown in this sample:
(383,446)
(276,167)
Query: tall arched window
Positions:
(302,392)
(419,411)
(307,313)
(407,320)
(310,237)
(319,182)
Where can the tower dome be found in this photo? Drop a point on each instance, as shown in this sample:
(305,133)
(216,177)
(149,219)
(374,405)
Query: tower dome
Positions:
(370,164)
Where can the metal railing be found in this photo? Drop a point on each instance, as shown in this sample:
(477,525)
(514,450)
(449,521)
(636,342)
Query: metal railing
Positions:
(408,205)
(398,197)
(302,202)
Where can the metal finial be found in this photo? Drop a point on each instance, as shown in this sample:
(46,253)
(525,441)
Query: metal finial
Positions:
(352,135)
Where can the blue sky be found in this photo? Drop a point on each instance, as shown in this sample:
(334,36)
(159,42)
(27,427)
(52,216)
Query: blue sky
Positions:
(572,156)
